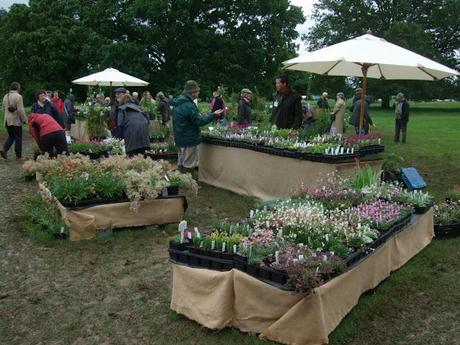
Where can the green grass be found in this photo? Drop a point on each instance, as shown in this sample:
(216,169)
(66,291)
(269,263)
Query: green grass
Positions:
(433,145)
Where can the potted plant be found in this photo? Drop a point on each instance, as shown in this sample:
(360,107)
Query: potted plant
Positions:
(447,219)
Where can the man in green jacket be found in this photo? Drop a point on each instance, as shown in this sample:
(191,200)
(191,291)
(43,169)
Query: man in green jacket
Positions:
(187,121)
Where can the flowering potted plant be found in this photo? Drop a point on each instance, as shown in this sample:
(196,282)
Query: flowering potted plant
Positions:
(447,219)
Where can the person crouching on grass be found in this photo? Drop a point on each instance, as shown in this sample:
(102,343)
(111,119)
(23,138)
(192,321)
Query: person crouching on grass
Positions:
(48,134)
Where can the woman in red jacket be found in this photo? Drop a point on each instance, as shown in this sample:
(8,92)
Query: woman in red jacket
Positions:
(48,134)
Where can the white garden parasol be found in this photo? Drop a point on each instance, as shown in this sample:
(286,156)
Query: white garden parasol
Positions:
(368,56)
(110,77)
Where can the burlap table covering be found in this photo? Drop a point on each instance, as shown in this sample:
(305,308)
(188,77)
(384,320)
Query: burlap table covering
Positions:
(263,175)
(234,299)
(84,222)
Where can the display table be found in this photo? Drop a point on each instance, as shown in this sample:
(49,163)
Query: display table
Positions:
(84,222)
(234,299)
(266,176)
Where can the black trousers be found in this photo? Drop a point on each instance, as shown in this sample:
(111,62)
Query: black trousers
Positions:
(54,143)
(14,136)
(400,126)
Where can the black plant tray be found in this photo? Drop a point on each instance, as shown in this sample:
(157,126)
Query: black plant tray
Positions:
(395,228)
(95,202)
(450,230)
(315,157)
(189,258)
(91,202)
(157,140)
(371,149)
(165,156)
(422,210)
(356,257)
(94,156)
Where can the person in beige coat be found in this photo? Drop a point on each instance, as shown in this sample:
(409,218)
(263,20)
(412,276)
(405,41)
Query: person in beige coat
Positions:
(15,117)
(337,114)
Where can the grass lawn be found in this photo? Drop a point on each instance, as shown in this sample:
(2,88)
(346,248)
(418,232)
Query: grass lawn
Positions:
(117,290)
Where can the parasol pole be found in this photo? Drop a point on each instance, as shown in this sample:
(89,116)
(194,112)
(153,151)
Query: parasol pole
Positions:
(364,69)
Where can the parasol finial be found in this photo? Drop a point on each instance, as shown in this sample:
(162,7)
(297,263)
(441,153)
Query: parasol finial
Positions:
(369,32)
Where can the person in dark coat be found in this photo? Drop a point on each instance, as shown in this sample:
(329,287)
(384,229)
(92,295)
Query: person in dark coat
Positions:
(163,108)
(133,124)
(48,134)
(357,96)
(354,119)
(287,107)
(323,102)
(43,106)
(244,108)
(69,112)
(187,121)
(113,121)
(401,117)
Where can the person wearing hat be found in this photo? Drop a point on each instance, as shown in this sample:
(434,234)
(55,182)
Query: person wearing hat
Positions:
(244,108)
(357,96)
(323,102)
(187,121)
(113,121)
(401,117)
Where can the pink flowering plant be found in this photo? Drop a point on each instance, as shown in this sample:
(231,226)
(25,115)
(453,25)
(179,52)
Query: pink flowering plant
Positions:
(379,214)
(306,268)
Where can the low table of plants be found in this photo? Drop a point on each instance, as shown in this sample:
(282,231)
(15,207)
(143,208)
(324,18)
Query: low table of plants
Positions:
(111,193)
(272,164)
(163,150)
(296,246)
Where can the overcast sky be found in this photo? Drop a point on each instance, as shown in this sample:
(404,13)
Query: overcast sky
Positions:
(307,6)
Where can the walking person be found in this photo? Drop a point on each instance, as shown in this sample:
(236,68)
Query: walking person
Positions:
(133,124)
(401,117)
(15,117)
(44,106)
(187,121)
(48,134)
(337,114)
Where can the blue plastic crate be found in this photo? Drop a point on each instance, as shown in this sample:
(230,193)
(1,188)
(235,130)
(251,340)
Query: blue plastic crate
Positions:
(412,179)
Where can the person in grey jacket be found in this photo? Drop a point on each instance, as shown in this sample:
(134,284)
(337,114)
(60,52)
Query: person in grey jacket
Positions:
(244,108)
(134,126)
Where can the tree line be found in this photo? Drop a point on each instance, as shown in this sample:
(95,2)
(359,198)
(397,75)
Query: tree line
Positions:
(230,43)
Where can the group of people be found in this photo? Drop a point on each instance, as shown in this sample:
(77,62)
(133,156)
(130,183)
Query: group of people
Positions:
(46,121)
(50,117)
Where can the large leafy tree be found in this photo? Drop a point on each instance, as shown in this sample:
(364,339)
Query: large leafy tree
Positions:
(225,42)
(428,27)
